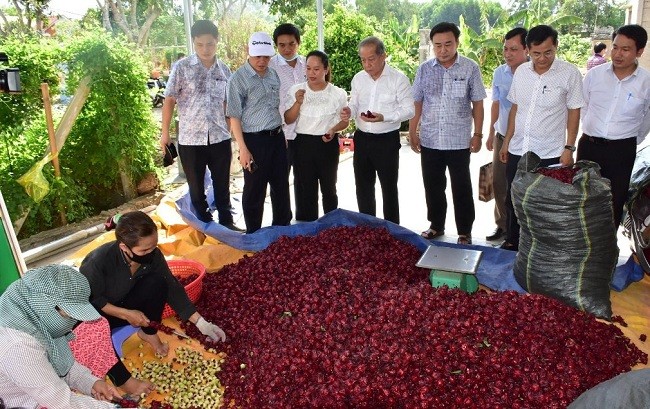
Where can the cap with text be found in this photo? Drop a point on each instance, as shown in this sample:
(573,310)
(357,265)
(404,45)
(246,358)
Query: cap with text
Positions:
(260,44)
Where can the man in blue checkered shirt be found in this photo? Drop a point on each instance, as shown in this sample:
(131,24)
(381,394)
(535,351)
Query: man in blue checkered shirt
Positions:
(448,91)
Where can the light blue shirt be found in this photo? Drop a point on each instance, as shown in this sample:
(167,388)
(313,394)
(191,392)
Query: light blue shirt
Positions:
(200,95)
(500,87)
(446,95)
(254,100)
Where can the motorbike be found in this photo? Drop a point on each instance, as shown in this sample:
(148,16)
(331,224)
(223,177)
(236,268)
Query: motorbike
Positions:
(156,87)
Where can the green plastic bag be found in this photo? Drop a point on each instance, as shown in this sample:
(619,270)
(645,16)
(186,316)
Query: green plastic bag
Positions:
(35,184)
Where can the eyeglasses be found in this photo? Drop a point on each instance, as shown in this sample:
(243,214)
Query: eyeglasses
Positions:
(547,54)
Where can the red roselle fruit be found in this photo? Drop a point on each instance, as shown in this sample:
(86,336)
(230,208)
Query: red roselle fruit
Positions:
(368,114)
(564,174)
(187,279)
(161,327)
(344,319)
(126,403)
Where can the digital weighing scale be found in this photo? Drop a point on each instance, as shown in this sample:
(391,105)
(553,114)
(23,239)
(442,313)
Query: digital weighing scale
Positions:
(453,267)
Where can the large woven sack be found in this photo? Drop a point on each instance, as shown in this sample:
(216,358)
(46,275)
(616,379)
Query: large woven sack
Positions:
(568,247)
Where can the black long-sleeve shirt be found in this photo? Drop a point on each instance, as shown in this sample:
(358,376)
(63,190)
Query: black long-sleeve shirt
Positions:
(110,278)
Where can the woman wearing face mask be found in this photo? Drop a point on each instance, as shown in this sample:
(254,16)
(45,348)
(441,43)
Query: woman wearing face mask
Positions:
(130,283)
(315,106)
(37,369)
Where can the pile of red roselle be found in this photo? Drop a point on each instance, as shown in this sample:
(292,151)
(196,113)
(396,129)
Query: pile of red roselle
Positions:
(563,174)
(345,320)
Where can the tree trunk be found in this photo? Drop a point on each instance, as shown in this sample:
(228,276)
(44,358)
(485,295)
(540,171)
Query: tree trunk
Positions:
(127,184)
(106,21)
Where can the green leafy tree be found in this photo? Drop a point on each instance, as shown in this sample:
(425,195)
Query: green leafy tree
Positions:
(574,49)
(288,8)
(37,59)
(484,48)
(233,37)
(30,17)
(20,147)
(595,13)
(344,29)
(402,45)
(133,18)
(435,12)
(535,12)
(115,134)
(401,10)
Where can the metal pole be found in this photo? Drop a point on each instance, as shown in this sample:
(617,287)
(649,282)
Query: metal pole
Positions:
(189,20)
(319,11)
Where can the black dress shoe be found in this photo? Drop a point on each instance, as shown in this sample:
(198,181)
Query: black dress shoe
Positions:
(509,246)
(498,234)
(233,227)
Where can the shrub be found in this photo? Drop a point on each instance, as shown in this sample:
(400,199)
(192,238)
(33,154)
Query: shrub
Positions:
(343,31)
(21,148)
(115,135)
(37,60)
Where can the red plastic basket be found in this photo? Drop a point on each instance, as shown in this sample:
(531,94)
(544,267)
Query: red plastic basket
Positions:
(185,268)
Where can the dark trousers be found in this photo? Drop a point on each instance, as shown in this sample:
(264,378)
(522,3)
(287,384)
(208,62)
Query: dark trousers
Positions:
(291,158)
(616,160)
(511,170)
(499,185)
(434,164)
(215,157)
(316,162)
(269,151)
(377,155)
(148,295)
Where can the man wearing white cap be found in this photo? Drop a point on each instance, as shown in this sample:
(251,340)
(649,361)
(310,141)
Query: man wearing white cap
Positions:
(253,108)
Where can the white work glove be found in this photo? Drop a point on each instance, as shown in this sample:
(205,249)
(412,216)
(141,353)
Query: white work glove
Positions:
(210,330)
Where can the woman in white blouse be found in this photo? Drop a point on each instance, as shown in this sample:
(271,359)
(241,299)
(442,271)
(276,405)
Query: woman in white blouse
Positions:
(315,106)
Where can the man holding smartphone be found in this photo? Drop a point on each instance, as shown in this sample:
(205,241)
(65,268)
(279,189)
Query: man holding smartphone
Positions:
(253,108)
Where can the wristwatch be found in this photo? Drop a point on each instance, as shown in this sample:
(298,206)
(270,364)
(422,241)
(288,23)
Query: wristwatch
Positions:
(570,147)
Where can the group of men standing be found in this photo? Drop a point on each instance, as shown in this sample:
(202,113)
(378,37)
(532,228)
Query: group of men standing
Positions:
(537,102)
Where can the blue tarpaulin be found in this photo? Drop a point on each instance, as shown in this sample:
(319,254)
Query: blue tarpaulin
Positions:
(494,270)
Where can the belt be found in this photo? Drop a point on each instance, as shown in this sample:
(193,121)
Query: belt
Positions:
(604,141)
(269,132)
(389,133)
(500,137)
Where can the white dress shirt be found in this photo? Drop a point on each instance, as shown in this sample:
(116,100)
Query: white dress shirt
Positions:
(543,102)
(390,95)
(28,379)
(320,110)
(616,109)
(289,76)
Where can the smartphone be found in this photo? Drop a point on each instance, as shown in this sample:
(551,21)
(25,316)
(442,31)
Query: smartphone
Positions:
(252,167)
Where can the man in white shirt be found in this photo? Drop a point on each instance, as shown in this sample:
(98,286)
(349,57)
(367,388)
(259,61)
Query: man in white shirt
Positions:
(616,115)
(380,101)
(291,68)
(515,53)
(546,96)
